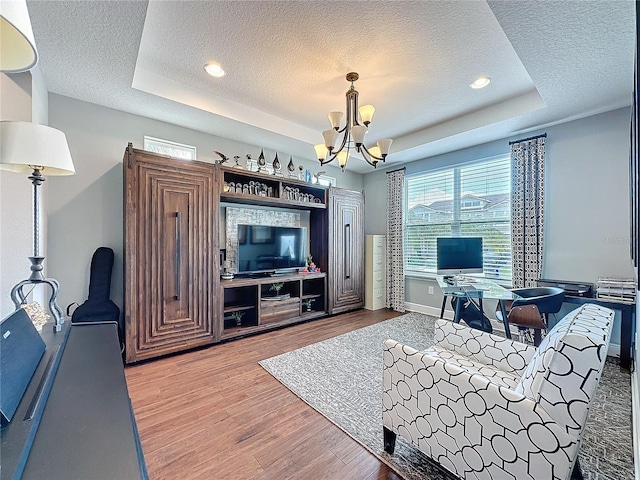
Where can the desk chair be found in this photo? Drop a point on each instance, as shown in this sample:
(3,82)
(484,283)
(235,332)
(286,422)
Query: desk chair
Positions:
(532,309)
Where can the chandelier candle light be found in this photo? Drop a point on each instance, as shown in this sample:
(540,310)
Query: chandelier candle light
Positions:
(354,130)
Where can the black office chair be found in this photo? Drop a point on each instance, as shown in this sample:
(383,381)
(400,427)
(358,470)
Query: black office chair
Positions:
(532,309)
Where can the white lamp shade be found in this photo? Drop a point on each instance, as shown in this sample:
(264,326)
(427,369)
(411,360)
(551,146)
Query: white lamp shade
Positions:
(321,151)
(384,144)
(330,137)
(335,118)
(375,151)
(343,157)
(358,132)
(366,113)
(17,44)
(25,145)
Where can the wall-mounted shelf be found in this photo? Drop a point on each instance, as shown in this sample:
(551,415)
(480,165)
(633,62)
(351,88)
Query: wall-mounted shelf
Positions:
(242,186)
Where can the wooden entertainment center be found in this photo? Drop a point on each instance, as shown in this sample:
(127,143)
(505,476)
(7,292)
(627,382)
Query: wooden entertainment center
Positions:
(174,297)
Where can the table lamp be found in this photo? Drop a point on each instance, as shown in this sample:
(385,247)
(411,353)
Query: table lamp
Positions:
(37,150)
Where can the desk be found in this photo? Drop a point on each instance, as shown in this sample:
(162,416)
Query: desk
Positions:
(479,289)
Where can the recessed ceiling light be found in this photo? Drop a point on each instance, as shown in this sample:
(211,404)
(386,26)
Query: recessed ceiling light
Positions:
(480,82)
(214,69)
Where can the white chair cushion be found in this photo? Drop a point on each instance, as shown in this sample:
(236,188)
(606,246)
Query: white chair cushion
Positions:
(497,376)
(493,350)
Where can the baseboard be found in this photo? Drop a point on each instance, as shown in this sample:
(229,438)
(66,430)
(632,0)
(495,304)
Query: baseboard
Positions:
(427,310)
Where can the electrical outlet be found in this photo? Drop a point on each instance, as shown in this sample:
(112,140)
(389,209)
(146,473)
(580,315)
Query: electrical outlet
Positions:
(430,290)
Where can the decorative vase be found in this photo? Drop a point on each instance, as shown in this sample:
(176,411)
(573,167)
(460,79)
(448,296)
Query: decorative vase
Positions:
(291,168)
(276,166)
(262,163)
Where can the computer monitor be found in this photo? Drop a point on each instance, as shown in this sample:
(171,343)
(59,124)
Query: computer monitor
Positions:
(459,255)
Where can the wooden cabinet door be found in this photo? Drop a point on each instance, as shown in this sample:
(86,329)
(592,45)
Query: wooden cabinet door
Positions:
(171,254)
(346,250)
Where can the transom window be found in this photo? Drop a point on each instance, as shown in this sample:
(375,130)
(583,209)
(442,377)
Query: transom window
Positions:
(470,200)
(167,147)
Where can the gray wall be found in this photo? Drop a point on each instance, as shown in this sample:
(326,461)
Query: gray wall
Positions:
(85,210)
(587,201)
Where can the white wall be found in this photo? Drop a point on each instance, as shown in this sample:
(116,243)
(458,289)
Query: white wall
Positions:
(85,210)
(587,202)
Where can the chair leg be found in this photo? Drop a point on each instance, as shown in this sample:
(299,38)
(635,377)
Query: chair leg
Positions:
(389,440)
(576,474)
(537,337)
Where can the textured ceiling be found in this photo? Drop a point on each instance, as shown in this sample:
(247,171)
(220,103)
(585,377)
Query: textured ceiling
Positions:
(286,61)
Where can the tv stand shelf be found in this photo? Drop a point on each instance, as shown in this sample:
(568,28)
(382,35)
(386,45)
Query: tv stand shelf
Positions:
(237,308)
(307,299)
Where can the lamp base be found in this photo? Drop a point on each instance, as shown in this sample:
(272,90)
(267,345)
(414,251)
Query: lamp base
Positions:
(19,298)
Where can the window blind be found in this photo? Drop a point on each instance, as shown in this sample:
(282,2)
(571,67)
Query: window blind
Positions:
(471,200)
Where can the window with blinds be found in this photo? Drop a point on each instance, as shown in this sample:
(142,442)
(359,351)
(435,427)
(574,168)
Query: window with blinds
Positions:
(471,200)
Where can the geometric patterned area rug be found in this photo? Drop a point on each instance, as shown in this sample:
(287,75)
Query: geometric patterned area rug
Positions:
(341,378)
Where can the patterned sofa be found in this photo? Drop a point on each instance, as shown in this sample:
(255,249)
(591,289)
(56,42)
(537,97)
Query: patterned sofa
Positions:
(486,407)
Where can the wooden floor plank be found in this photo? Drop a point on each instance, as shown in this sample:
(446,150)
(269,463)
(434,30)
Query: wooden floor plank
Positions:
(215,413)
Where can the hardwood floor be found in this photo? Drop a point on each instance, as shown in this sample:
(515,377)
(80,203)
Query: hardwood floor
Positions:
(215,413)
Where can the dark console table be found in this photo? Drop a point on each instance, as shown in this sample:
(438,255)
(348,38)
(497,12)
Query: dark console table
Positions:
(75,419)
(627,327)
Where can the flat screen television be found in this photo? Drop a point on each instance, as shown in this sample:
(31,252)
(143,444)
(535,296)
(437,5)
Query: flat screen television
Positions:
(264,248)
(458,255)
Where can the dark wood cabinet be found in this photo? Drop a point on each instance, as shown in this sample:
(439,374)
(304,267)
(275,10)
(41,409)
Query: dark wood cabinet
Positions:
(174,298)
(171,254)
(346,250)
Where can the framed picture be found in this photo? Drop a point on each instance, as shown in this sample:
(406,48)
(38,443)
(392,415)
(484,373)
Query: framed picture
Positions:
(261,234)
(242,234)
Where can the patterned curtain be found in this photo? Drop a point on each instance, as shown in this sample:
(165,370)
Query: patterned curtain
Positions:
(527,210)
(395,258)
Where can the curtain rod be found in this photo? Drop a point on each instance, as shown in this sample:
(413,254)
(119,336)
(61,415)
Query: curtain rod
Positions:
(527,139)
(396,170)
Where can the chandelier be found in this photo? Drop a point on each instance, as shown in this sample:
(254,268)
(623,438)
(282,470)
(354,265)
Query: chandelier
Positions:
(354,130)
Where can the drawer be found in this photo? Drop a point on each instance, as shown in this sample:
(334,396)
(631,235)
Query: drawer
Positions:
(378,261)
(277,310)
(379,243)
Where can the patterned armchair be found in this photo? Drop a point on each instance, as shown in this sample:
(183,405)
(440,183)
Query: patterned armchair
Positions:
(483,406)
